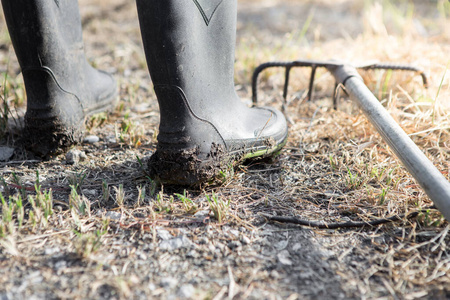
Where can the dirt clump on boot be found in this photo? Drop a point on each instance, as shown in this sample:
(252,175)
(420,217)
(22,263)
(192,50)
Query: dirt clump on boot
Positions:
(186,167)
(49,137)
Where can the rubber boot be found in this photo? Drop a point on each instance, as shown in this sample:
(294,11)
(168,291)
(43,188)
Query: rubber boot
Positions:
(204,127)
(62,87)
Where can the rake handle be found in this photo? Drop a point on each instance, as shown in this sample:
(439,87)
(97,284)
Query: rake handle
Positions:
(421,168)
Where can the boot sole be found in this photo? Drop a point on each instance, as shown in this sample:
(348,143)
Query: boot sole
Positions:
(185,168)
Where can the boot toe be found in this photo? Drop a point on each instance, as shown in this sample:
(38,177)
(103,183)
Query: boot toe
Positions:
(102,95)
(275,127)
(263,133)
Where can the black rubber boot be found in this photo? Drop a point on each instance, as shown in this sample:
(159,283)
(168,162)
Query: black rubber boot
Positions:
(62,87)
(204,127)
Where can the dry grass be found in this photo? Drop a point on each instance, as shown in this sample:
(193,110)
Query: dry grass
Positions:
(101,236)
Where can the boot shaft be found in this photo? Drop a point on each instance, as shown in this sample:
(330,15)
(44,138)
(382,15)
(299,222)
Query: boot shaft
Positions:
(45,32)
(192,40)
(48,42)
(189,46)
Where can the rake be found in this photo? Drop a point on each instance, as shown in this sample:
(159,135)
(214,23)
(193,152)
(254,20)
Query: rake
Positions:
(347,77)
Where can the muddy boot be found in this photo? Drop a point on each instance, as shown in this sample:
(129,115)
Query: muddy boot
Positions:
(62,87)
(204,127)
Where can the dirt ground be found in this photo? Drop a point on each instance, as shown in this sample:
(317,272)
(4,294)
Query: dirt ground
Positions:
(96,227)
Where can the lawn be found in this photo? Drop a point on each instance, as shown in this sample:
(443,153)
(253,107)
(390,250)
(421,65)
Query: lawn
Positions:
(93,225)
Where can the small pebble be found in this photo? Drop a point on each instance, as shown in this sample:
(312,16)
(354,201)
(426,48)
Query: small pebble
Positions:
(111,139)
(234,232)
(51,251)
(175,243)
(91,139)
(168,282)
(113,215)
(202,213)
(74,156)
(164,234)
(141,255)
(233,245)
(60,264)
(281,245)
(193,254)
(88,192)
(297,247)
(186,291)
(202,241)
(245,240)
(284,258)
(275,274)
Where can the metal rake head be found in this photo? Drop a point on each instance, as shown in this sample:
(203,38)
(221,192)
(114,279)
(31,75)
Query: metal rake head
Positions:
(314,64)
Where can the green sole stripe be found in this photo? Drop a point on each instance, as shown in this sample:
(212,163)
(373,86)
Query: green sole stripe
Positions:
(265,152)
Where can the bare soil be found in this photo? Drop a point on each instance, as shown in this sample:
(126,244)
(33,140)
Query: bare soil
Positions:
(113,234)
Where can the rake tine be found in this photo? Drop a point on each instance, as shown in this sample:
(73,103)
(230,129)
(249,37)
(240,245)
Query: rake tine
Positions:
(311,83)
(336,96)
(286,83)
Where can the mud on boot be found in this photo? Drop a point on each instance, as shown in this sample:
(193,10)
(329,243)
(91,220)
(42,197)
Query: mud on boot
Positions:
(188,168)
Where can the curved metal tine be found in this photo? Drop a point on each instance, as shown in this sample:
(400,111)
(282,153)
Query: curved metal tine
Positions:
(391,66)
(335,96)
(424,79)
(286,83)
(311,82)
(256,73)
(255,76)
